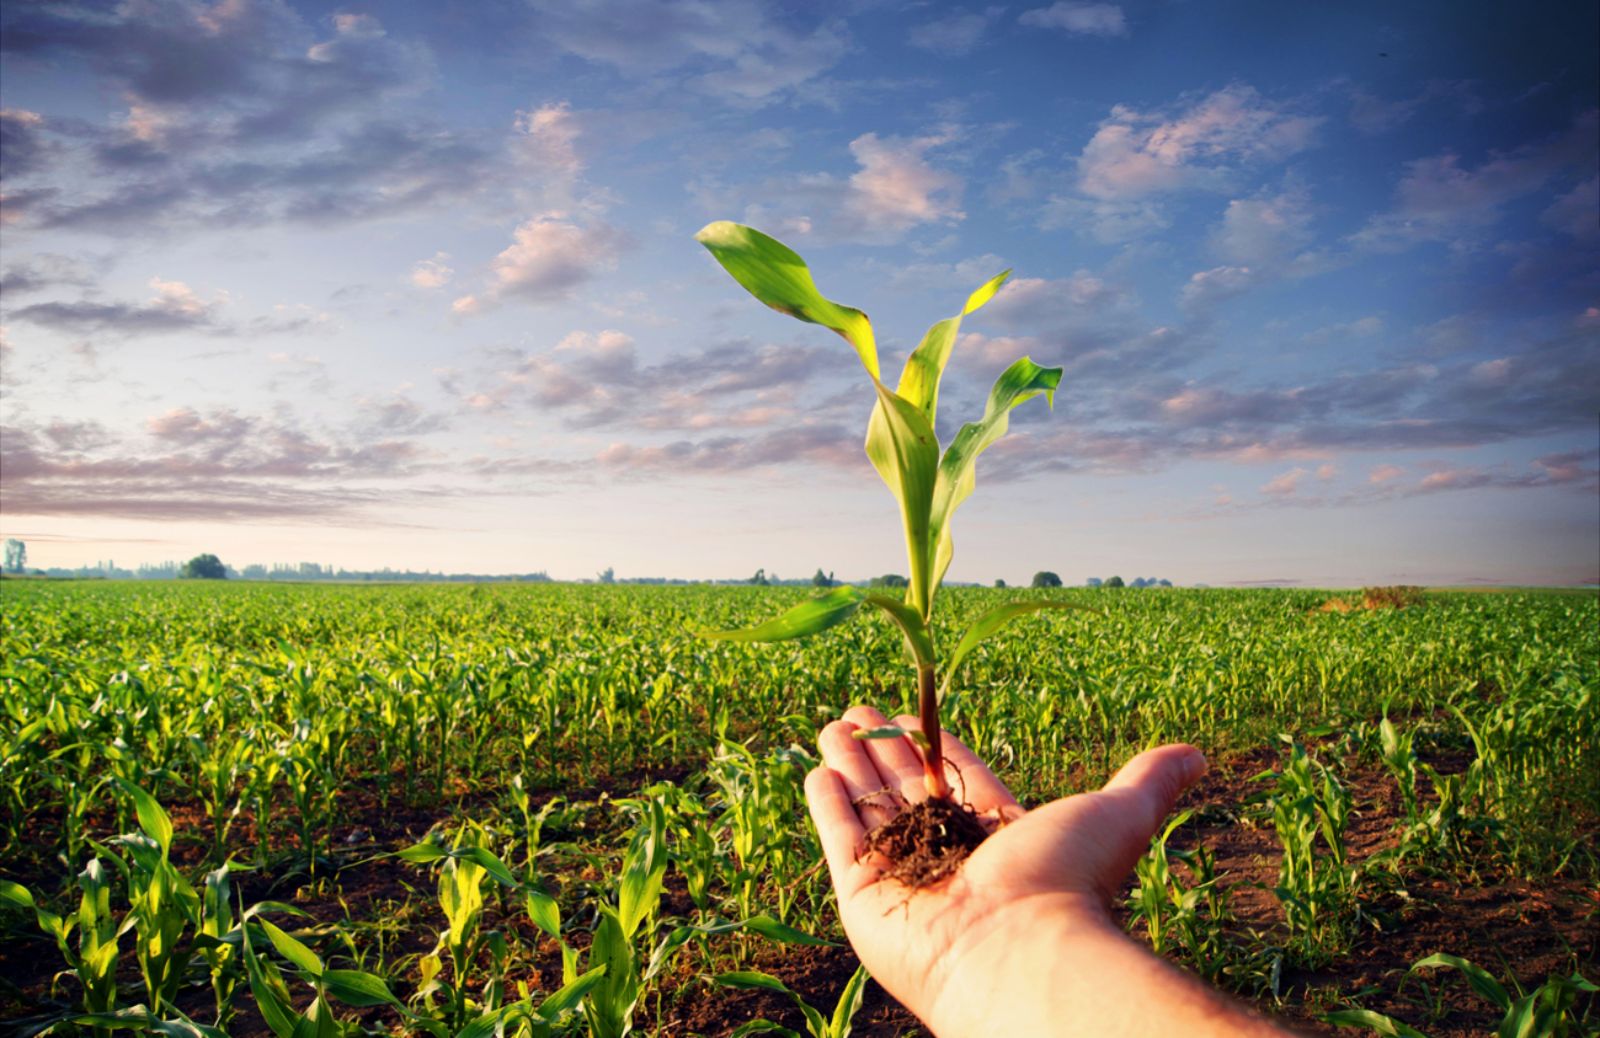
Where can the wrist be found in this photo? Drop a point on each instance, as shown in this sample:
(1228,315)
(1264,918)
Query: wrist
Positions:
(1008,977)
(1057,964)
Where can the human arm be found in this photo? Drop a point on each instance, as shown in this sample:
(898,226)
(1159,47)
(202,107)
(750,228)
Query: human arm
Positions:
(1021,940)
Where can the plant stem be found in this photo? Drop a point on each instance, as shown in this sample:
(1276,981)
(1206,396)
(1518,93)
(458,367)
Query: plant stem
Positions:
(932,755)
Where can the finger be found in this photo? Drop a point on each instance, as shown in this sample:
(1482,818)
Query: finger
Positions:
(896,760)
(840,829)
(1139,797)
(848,758)
(1157,777)
(972,780)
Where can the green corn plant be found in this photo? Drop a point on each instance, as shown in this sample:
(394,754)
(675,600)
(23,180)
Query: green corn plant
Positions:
(609,1005)
(1177,915)
(95,961)
(838,1025)
(1548,1011)
(461,895)
(904,449)
(275,1001)
(212,944)
(1315,886)
(163,904)
(1401,760)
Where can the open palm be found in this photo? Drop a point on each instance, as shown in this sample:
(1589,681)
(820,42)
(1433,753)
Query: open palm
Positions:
(1070,855)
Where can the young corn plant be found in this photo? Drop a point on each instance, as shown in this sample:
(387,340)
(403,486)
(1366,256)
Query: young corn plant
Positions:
(1552,1010)
(902,446)
(837,1025)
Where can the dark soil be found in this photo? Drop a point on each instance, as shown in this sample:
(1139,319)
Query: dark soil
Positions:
(927,842)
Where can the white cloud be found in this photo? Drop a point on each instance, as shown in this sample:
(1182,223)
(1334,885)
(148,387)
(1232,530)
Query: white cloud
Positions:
(1440,199)
(1207,288)
(1382,474)
(1080,18)
(896,189)
(1264,229)
(1108,222)
(432,273)
(1285,485)
(955,35)
(1577,212)
(548,141)
(1137,154)
(740,50)
(549,256)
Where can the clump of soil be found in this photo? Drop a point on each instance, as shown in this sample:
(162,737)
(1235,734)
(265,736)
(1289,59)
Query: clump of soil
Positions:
(927,842)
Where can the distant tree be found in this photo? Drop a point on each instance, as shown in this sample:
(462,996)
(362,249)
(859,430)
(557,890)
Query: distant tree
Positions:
(1044,578)
(1093,582)
(1114,582)
(760,579)
(822,579)
(607,576)
(889,580)
(1164,582)
(1139,582)
(999,582)
(204,567)
(16,555)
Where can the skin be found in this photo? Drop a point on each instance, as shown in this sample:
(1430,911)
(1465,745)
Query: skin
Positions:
(1021,940)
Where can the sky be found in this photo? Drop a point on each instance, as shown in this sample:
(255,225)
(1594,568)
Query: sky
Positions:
(416,285)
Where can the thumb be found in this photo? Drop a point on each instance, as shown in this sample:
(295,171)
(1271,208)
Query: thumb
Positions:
(1141,795)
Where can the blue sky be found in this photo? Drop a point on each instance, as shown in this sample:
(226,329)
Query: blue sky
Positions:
(416,285)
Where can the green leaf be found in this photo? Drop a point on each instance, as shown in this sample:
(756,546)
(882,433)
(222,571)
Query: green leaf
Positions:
(1021,382)
(991,622)
(1477,976)
(911,625)
(919,380)
(292,949)
(1384,1025)
(355,988)
(807,618)
(753,979)
(763,1026)
(902,447)
(544,911)
(422,853)
(138,1018)
(152,819)
(777,276)
(272,997)
(486,860)
(568,996)
(891,731)
(772,929)
(849,1004)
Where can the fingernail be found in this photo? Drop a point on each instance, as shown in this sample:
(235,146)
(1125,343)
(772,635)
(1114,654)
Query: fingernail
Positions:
(1194,765)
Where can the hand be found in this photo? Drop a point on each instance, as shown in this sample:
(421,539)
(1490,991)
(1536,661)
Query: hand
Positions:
(1053,870)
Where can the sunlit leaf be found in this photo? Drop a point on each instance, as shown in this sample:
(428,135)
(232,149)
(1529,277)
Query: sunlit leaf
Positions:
(919,380)
(1019,383)
(902,447)
(807,618)
(776,275)
(992,621)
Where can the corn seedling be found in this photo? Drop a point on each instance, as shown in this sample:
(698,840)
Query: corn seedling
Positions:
(905,451)
(275,1001)
(837,1025)
(1316,887)
(1548,1011)
(466,866)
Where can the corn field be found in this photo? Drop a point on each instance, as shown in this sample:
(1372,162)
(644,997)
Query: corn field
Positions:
(540,810)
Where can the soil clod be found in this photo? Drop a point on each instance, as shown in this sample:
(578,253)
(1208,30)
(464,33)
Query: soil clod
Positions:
(926,843)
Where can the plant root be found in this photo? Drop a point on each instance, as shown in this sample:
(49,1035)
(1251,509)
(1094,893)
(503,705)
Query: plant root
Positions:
(927,843)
